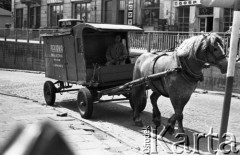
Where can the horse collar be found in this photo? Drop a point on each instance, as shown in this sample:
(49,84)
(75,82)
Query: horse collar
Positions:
(187,73)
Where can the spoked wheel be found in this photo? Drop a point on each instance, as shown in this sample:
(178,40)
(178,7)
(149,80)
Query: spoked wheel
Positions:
(85,103)
(49,91)
(143,102)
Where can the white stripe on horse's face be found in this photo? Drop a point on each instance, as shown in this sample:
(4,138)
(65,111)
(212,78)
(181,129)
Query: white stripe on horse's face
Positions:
(222,63)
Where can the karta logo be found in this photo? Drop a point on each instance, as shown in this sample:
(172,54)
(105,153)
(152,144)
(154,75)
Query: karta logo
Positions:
(152,140)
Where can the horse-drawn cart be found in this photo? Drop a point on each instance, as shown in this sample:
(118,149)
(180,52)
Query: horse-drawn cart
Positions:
(78,57)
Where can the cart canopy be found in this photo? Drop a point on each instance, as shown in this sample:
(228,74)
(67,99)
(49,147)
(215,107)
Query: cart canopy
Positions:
(78,29)
(73,55)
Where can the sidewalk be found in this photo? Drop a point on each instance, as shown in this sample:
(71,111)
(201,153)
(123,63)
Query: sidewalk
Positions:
(81,137)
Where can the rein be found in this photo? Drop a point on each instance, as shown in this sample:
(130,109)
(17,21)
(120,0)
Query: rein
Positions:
(184,69)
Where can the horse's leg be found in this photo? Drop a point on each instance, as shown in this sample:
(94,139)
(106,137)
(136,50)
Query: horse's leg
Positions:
(171,124)
(137,94)
(156,113)
(178,106)
(179,116)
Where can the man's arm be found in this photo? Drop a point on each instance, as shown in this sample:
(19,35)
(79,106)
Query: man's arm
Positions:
(125,53)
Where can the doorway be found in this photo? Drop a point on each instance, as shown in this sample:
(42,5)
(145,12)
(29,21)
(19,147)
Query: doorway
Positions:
(206,24)
(107,5)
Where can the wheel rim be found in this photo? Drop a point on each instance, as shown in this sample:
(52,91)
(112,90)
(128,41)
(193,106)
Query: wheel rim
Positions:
(82,103)
(48,92)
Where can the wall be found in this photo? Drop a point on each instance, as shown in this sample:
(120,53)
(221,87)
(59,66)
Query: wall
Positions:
(4,20)
(31,57)
(23,56)
(214,80)
(44,14)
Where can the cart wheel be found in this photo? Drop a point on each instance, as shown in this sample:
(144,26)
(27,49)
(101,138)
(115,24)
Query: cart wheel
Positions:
(49,91)
(143,103)
(85,103)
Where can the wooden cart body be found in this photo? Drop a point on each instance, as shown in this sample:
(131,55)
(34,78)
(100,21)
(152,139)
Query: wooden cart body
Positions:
(79,55)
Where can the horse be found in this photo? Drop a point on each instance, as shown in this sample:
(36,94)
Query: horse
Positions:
(192,56)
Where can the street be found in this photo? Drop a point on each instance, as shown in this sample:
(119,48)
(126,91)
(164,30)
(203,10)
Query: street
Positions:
(202,112)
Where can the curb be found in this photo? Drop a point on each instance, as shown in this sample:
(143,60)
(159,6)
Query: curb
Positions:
(202,91)
(77,117)
(18,70)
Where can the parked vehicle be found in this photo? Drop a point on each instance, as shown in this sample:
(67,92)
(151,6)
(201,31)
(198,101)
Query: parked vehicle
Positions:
(68,23)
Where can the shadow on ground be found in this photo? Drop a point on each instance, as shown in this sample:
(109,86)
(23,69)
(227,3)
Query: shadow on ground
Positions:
(120,113)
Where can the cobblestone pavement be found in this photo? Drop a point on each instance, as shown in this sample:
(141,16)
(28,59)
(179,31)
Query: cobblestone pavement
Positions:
(115,119)
(81,137)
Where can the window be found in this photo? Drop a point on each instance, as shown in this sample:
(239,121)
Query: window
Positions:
(121,12)
(56,13)
(107,5)
(151,12)
(38,17)
(183,18)
(228,18)
(19,18)
(31,17)
(35,17)
(82,11)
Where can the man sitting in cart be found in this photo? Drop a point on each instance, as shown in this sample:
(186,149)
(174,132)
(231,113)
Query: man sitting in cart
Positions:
(116,53)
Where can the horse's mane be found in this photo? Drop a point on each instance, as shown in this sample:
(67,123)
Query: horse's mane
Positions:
(191,46)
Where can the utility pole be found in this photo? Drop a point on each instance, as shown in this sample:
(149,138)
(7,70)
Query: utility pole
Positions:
(231,62)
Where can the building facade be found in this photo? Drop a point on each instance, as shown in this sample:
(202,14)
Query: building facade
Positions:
(184,15)
(5,18)
(46,13)
(166,15)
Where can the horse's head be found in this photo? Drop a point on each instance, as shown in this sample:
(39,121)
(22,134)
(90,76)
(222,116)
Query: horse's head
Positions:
(207,49)
(211,51)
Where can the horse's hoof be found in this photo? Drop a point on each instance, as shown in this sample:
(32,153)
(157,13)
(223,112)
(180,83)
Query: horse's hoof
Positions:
(170,130)
(184,139)
(139,123)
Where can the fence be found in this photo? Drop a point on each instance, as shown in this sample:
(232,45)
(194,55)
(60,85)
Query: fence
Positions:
(161,40)
(23,49)
(23,35)
(147,41)
(25,56)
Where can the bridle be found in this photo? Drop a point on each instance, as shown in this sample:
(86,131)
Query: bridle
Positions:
(207,52)
(191,76)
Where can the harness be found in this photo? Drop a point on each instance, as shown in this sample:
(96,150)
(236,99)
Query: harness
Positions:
(157,57)
(160,79)
(187,73)
(185,70)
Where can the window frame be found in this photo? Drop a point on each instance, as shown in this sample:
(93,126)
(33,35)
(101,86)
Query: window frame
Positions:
(53,23)
(227,24)
(87,11)
(153,8)
(183,21)
(19,18)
